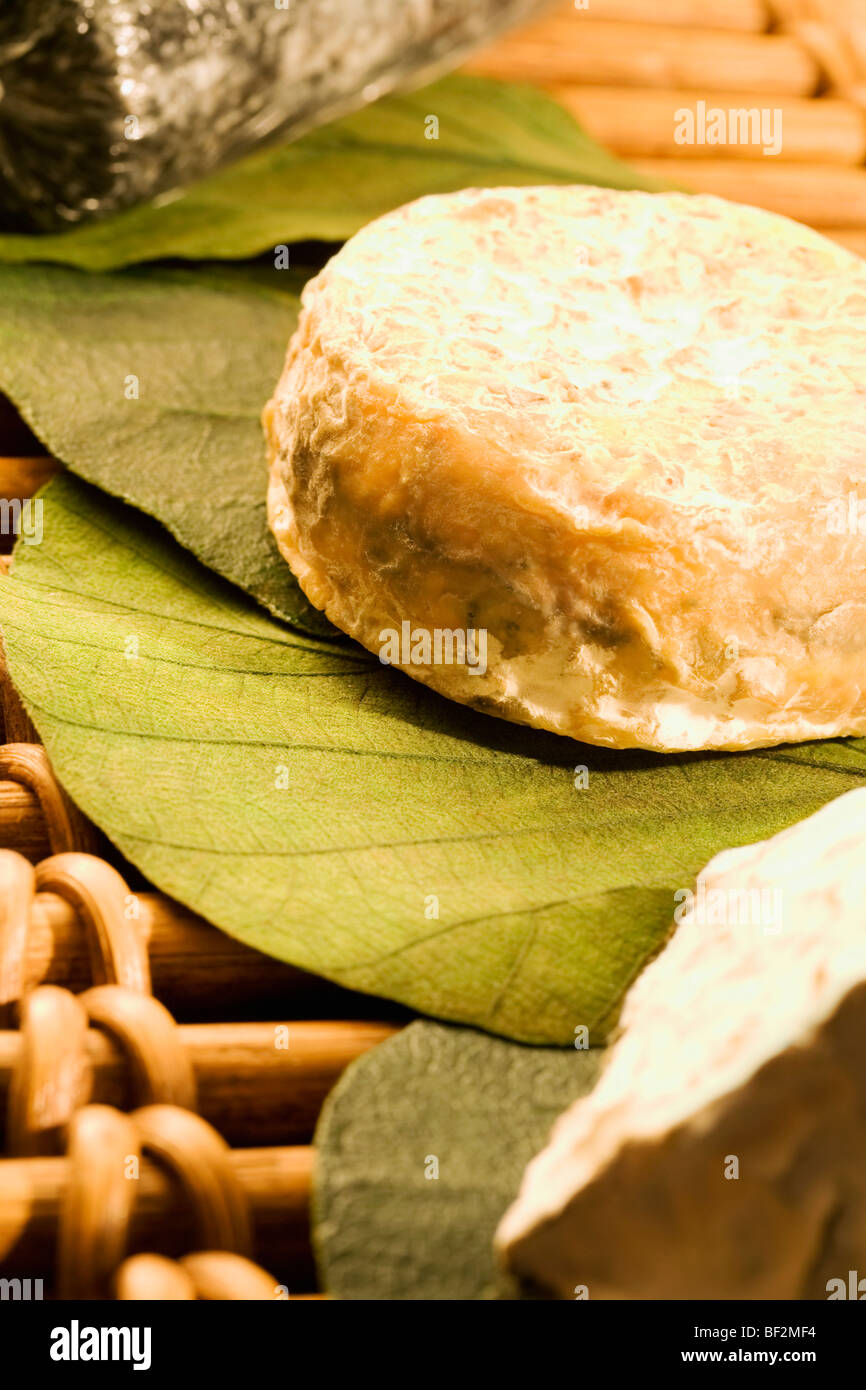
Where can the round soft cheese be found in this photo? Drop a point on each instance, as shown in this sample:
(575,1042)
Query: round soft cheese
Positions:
(590,460)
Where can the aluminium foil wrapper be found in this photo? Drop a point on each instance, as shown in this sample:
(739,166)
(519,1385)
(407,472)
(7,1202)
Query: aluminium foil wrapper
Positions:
(107,103)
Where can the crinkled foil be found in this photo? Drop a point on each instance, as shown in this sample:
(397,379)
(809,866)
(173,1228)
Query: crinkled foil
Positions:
(105,103)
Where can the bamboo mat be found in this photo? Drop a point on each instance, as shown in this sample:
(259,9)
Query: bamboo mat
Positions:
(626,68)
(135,1035)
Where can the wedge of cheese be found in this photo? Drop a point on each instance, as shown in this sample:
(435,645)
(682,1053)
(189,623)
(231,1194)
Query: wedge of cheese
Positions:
(723,1151)
(619,437)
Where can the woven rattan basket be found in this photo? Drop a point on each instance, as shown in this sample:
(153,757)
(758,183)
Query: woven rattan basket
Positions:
(138,1041)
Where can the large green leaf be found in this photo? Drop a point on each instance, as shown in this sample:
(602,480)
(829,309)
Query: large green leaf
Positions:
(421,1147)
(328,184)
(325,808)
(151,384)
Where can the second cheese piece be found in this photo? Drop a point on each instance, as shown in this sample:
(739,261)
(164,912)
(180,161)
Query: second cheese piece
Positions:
(723,1152)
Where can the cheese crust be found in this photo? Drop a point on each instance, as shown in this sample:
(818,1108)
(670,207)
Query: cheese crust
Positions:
(621,433)
(722,1153)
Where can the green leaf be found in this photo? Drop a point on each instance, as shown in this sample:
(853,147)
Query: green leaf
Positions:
(385,1227)
(331,182)
(325,808)
(152,384)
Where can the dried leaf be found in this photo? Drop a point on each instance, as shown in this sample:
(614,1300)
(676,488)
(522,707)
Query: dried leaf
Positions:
(151,384)
(421,1147)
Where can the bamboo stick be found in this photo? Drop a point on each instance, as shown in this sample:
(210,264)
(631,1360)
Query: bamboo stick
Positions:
(21,477)
(835,31)
(22,826)
(153,1278)
(257,1083)
(632,122)
(749,15)
(816,194)
(576,49)
(854,239)
(27,764)
(276,1182)
(17,725)
(99,1197)
(219,1274)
